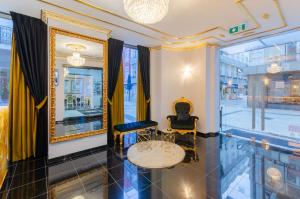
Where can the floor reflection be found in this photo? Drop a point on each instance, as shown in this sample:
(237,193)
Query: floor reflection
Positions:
(219,167)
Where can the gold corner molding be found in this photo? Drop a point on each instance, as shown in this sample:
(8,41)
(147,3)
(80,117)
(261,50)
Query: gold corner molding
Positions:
(46,14)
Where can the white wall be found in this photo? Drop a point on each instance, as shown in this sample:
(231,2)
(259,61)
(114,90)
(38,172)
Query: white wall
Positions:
(168,82)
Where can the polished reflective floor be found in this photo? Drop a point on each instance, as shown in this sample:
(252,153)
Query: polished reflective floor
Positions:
(218,167)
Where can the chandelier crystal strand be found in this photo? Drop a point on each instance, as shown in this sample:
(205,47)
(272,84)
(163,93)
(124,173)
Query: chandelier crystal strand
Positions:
(146,11)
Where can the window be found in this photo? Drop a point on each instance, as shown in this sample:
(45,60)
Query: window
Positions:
(5,46)
(130,65)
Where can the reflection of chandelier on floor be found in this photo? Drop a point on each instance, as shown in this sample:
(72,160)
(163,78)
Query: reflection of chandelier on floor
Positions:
(274,68)
(146,11)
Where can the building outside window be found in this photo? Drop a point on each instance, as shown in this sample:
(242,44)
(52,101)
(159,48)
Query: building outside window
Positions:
(5,47)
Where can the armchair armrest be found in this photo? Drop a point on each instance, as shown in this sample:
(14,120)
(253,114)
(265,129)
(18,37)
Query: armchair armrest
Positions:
(171,117)
(195,118)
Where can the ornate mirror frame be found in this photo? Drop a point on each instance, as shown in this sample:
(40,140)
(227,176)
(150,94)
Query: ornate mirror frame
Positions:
(53,31)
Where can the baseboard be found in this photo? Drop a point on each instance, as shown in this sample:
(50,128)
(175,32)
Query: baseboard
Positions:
(207,135)
(78,154)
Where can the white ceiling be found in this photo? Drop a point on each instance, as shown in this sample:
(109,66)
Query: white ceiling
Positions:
(188,22)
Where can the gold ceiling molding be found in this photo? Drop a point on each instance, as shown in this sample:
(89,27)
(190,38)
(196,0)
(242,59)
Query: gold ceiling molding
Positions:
(180,49)
(97,19)
(195,41)
(48,14)
(279,10)
(84,2)
(168,35)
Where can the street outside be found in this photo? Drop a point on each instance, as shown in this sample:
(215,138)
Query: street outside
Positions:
(236,114)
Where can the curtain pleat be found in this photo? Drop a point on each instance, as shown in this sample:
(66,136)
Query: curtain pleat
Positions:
(143,112)
(22,115)
(115,49)
(141,109)
(118,100)
(31,44)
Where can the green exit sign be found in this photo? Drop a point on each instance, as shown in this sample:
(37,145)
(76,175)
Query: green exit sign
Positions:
(239,28)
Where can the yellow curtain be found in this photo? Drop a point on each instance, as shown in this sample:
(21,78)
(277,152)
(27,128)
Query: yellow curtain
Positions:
(141,109)
(118,100)
(22,114)
(3,141)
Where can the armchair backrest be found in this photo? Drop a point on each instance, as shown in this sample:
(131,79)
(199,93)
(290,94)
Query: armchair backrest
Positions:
(182,108)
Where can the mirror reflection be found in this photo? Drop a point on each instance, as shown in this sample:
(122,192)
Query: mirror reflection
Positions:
(78,83)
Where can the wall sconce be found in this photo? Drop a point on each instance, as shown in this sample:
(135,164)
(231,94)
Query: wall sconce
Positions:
(187,72)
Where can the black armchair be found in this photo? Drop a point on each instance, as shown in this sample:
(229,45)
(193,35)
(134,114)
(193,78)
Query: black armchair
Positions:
(183,122)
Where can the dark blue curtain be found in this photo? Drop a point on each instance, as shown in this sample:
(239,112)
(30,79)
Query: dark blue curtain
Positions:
(31,43)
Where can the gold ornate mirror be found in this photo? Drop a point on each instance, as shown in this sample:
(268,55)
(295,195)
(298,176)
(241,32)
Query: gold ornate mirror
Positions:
(78,88)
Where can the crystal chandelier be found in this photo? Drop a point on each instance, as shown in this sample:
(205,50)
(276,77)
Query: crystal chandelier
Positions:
(274,68)
(75,59)
(146,11)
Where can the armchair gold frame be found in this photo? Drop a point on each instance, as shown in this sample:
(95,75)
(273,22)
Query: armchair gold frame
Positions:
(182,131)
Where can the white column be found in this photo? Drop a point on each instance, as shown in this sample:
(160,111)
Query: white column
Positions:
(209,117)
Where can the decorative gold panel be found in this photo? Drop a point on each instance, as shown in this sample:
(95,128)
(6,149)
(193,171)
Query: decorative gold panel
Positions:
(53,32)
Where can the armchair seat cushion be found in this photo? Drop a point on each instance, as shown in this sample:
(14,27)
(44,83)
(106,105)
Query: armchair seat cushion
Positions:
(188,124)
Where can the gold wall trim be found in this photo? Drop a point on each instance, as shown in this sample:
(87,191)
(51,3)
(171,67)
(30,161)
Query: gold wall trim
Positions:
(46,14)
(53,31)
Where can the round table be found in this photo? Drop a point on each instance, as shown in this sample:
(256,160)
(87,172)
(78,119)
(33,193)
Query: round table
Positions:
(155,154)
